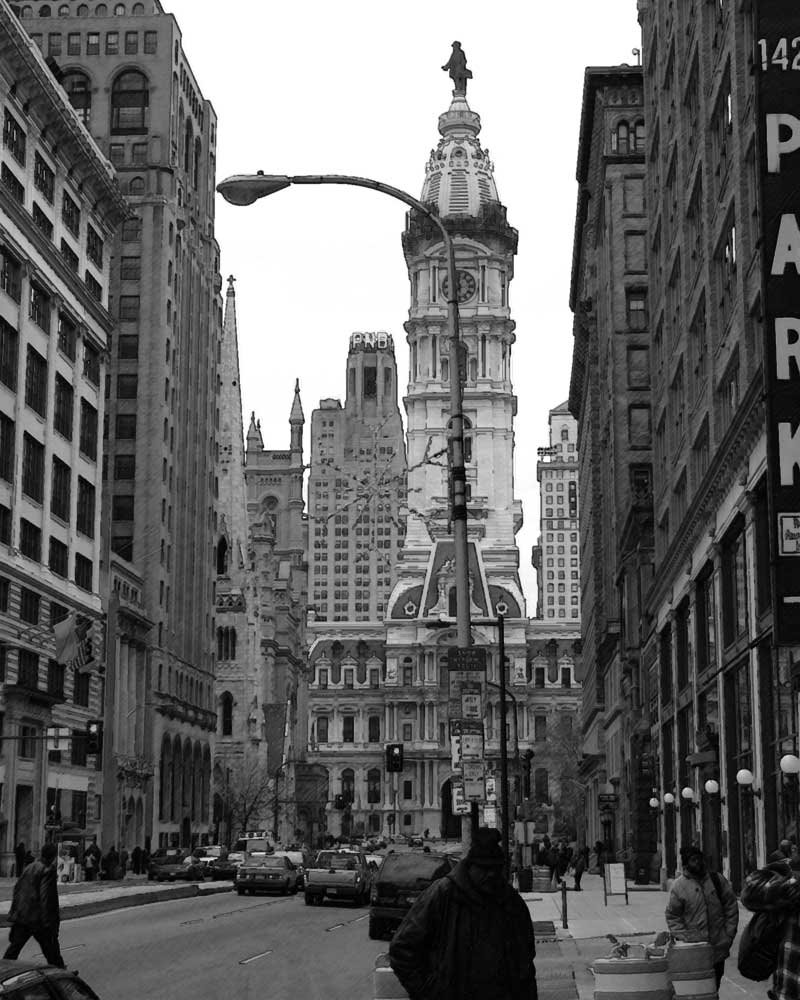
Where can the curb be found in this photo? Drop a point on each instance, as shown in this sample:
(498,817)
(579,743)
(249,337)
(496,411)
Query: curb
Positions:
(124,901)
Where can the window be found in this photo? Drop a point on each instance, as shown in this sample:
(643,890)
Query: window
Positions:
(9,354)
(30,540)
(348,729)
(94,246)
(408,790)
(32,468)
(540,728)
(60,491)
(70,214)
(122,510)
(151,42)
(734,585)
(58,560)
(127,386)
(80,690)
(10,275)
(123,546)
(93,43)
(131,43)
(14,137)
(373,786)
(408,732)
(77,752)
(88,444)
(112,43)
(67,336)
(78,88)
(44,179)
(620,139)
(348,678)
(86,507)
(39,307)
(36,382)
(83,572)
(55,680)
(129,304)
(131,270)
(124,467)
(706,629)
(638,367)
(374,725)
(639,427)
(27,742)
(129,101)
(125,426)
(226,713)
(636,308)
(322,729)
(29,605)
(635,260)
(63,408)
(132,230)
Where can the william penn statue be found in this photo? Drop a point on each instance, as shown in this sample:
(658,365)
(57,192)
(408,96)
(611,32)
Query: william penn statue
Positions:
(456,66)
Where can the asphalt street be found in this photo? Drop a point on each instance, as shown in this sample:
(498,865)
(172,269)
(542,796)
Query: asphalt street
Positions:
(224,946)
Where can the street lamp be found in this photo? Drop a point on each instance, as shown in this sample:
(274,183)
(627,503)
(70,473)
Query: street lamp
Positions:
(245,189)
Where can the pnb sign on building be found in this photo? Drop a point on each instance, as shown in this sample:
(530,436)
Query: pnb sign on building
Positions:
(778,52)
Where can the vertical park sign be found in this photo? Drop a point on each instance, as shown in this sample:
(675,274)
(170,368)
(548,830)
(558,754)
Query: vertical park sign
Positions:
(777,57)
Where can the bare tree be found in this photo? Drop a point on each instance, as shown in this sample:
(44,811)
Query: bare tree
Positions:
(246,795)
(565,750)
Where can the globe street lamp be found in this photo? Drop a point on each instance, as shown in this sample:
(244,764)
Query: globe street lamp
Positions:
(245,189)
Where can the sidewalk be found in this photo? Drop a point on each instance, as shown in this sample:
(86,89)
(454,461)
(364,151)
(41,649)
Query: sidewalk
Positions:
(589,920)
(79,899)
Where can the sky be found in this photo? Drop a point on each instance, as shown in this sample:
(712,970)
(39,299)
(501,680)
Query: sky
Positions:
(357,88)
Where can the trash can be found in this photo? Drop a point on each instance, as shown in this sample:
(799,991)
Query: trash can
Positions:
(525,879)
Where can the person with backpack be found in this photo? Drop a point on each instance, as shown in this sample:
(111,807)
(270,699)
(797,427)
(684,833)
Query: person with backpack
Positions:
(770,944)
(702,906)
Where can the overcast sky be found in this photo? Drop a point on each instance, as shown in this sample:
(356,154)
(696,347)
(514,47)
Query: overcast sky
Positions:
(356,87)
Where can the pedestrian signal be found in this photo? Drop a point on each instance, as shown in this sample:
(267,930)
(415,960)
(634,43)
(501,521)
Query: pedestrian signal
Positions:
(394,757)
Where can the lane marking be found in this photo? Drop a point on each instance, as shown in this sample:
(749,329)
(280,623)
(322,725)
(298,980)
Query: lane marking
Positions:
(197,920)
(335,927)
(253,958)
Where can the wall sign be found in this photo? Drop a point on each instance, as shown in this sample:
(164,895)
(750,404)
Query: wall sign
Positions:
(777,56)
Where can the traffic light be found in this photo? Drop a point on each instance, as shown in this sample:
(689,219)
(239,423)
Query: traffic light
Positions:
(94,736)
(394,757)
(338,802)
(572,495)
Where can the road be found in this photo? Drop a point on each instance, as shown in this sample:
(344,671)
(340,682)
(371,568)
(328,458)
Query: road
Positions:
(224,946)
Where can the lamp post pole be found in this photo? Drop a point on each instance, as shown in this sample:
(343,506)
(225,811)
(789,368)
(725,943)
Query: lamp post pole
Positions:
(245,189)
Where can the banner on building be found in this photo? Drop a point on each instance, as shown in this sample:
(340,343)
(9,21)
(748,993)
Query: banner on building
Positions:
(777,56)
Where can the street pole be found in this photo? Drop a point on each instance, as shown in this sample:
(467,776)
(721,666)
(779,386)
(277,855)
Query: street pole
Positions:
(501,629)
(245,189)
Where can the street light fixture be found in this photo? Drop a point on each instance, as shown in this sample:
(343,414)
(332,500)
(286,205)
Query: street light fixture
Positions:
(245,189)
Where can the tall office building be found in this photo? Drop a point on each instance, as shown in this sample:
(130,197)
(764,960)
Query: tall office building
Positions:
(125,71)
(556,555)
(60,207)
(357,488)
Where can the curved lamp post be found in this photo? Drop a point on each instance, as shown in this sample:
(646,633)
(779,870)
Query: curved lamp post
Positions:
(245,189)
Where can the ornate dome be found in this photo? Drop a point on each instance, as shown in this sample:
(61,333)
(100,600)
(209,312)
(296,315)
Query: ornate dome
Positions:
(459,174)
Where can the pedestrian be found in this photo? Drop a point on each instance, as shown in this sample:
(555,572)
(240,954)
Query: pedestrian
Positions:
(702,906)
(469,935)
(19,855)
(136,860)
(580,867)
(110,863)
(776,888)
(123,862)
(551,860)
(34,909)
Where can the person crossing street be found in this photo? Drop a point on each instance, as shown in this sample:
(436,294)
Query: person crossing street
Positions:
(35,911)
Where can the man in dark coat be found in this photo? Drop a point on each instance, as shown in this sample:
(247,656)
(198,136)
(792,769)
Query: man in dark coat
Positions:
(19,855)
(35,911)
(469,936)
(136,860)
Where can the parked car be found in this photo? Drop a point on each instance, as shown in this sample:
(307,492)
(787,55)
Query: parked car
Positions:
(205,855)
(338,874)
(225,866)
(21,980)
(399,881)
(266,873)
(175,864)
(299,859)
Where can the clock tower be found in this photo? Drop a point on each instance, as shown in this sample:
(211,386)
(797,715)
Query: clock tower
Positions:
(459,185)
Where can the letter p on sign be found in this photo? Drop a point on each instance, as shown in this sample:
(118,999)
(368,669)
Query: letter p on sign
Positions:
(777,147)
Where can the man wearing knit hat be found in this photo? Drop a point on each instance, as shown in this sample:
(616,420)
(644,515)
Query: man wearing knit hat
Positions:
(469,936)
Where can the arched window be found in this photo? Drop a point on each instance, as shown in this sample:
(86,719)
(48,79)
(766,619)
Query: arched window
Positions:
(130,98)
(136,185)
(222,557)
(221,643)
(63,10)
(232,643)
(101,10)
(187,146)
(373,785)
(348,784)
(79,91)
(138,8)
(226,713)
(44,10)
(26,12)
(620,139)
(564,434)
(119,10)
(83,10)
(638,137)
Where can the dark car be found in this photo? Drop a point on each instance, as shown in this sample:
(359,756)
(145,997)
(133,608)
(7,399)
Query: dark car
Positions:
(266,873)
(225,866)
(24,980)
(398,883)
(172,864)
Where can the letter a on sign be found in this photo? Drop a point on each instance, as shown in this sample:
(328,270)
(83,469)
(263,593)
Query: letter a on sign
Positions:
(787,246)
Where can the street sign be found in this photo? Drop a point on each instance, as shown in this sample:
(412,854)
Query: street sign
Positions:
(470,735)
(461,807)
(490,817)
(471,658)
(57,738)
(455,750)
(471,707)
(491,788)
(474,783)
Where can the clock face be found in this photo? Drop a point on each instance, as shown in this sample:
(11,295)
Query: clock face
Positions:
(466,285)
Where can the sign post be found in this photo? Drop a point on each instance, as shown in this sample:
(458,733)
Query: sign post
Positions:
(614,883)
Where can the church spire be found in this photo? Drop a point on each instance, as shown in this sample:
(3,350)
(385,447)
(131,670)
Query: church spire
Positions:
(232,493)
(254,440)
(297,420)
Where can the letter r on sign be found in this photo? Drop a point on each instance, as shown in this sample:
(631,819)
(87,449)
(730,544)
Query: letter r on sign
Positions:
(776,146)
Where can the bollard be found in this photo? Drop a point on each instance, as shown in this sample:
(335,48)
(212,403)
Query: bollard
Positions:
(563,903)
